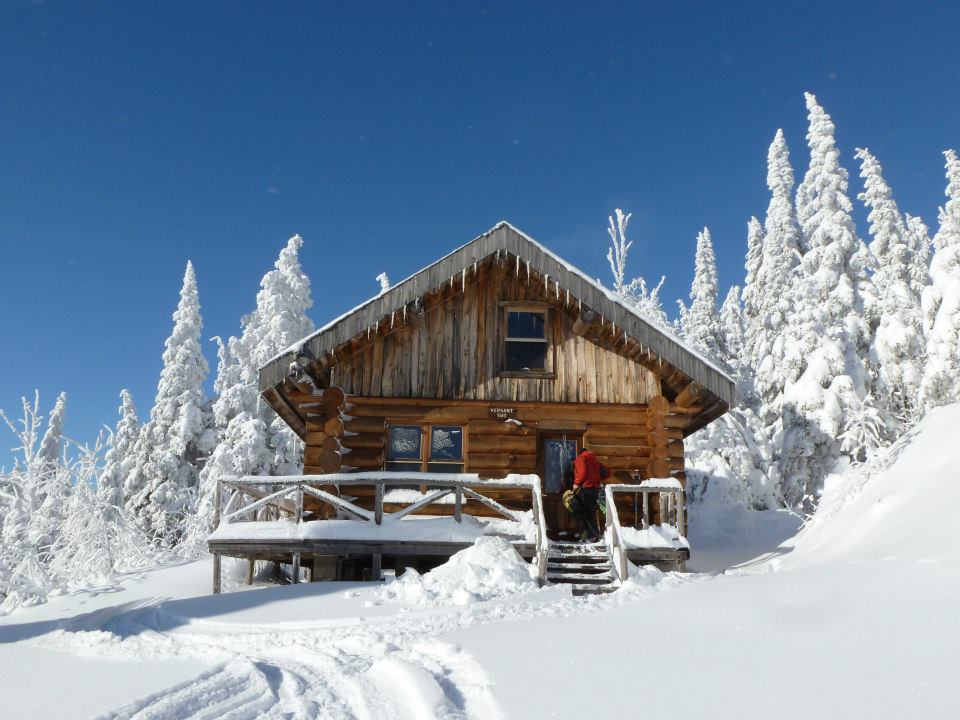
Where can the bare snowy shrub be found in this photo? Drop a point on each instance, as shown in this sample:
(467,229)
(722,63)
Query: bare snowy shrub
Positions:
(56,534)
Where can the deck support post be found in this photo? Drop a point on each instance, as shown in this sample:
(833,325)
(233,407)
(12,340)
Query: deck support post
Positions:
(296,567)
(458,504)
(216,573)
(376,571)
(378,503)
(250,564)
(682,512)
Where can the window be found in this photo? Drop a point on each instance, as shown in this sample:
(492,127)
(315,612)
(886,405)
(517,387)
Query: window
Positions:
(403,451)
(526,343)
(430,448)
(446,449)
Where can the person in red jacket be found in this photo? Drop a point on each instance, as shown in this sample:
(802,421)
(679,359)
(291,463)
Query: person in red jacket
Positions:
(588,476)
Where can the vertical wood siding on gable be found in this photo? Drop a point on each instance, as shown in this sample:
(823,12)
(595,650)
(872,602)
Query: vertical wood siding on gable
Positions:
(455,354)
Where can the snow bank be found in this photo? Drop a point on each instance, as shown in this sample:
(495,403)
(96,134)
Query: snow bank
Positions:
(855,617)
(909,509)
(489,568)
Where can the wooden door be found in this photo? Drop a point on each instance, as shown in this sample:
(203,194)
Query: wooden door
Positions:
(558,450)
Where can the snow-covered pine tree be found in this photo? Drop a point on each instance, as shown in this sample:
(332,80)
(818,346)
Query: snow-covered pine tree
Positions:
(774,280)
(732,343)
(119,459)
(898,347)
(252,439)
(827,339)
(920,249)
(941,301)
(52,443)
(729,461)
(732,329)
(174,443)
(752,293)
(700,323)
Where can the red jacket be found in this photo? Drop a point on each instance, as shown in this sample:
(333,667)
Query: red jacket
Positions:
(588,472)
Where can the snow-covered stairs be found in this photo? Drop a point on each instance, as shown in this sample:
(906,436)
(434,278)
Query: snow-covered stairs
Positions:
(585,567)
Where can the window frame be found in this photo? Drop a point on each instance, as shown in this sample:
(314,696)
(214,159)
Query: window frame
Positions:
(542,308)
(426,446)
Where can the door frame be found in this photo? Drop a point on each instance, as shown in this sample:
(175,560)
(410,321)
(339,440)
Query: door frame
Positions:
(557,517)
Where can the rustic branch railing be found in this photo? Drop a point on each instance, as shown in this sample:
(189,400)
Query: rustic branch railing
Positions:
(672,512)
(541,525)
(250,496)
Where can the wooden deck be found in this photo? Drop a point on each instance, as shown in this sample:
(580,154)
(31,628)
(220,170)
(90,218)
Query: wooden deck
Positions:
(326,524)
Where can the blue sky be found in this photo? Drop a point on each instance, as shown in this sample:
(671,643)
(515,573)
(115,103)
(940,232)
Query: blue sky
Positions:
(134,136)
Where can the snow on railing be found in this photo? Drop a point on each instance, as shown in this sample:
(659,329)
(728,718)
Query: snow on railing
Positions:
(541,524)
(251,497)
(671,511)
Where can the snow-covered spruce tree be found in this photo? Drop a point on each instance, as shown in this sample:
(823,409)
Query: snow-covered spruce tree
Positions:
(941,301)
(773,307)
(700,323)
(828,341)
(175,441)
(252,439)
(45,483)
(920,249)
(635,293)
(119,459)
(728,462)
(732,333)
(52,443)
(752,293)
(898,347)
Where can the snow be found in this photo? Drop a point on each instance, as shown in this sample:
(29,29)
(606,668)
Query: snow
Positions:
(853,617)
(487,569)
(661,483)
(655,536)
(409,528)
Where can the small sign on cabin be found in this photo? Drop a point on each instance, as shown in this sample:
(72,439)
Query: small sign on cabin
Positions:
(502,413)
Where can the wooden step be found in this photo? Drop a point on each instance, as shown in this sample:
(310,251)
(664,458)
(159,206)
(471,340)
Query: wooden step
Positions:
(578,567)
(592,589)
(579,578)
(578,546)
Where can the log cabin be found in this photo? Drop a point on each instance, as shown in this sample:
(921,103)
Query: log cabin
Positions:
(452,405)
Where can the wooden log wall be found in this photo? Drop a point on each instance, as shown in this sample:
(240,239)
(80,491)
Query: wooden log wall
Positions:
(645,439)
(455,351)
(350,433)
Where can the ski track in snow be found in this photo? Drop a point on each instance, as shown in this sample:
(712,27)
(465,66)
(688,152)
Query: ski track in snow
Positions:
(395,666)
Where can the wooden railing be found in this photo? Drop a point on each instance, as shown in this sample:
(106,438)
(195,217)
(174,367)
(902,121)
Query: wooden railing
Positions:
(671,512)
(256,497)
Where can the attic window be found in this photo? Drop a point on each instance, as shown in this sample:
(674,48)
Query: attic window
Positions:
(526,342)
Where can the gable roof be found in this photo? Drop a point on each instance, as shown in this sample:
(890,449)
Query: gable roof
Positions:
(503,237)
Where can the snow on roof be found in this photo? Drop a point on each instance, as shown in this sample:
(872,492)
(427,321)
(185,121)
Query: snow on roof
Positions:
(505,237)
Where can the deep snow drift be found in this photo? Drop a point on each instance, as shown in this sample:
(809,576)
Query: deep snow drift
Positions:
(489,568)
(854,617)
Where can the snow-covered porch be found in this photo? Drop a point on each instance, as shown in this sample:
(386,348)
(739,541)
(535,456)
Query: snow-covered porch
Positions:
(397,519)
